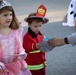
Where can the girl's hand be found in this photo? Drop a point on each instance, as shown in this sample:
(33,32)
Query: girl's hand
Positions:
(2,66)
(22,55)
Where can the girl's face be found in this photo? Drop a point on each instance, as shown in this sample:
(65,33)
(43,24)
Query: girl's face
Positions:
(5,19)
(35,27)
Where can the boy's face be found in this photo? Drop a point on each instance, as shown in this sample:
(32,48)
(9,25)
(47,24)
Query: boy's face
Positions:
(35,26)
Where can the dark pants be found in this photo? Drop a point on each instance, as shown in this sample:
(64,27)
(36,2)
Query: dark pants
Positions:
(38,72)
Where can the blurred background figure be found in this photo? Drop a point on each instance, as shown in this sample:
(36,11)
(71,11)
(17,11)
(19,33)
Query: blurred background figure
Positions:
(70,18)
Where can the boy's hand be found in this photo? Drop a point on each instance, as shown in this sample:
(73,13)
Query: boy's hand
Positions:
(38,45)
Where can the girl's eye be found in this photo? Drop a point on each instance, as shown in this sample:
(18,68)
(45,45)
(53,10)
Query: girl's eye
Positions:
(5,15)
(10,14)
(35,26)
(40,26)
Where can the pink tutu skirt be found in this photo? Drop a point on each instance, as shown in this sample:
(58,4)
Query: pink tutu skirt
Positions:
(16,68)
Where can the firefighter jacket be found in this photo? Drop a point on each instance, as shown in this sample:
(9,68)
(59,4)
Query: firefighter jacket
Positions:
(35,58)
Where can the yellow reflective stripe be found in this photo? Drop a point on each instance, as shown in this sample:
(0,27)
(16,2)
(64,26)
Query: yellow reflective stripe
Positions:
(36,51)
(32,46)
(35,67)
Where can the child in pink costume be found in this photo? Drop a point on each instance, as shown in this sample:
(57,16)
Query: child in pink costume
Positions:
(12,54)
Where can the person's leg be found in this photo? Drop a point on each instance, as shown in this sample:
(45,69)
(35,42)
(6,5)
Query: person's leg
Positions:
(39,72)
(75,23)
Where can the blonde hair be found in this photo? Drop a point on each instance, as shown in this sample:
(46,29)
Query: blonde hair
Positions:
(14,24)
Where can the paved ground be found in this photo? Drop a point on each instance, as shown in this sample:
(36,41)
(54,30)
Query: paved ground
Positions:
(61,60)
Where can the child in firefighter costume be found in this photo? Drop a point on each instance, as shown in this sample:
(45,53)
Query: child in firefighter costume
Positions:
(35,58)
(71,15)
